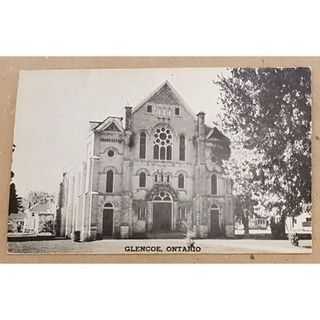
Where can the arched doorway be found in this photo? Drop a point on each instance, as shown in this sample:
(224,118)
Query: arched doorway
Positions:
(162,212)
(107,223)
(215,229)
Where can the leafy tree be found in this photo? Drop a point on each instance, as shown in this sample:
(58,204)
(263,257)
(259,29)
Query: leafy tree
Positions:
(267,114)
(38,197)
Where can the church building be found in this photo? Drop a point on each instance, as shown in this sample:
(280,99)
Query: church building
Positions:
(156,173)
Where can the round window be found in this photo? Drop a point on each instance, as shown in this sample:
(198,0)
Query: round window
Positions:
(110,153)
(163,136)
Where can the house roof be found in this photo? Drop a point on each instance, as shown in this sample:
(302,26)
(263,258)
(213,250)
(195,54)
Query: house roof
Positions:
(165,94)
(47,206)
(214,133)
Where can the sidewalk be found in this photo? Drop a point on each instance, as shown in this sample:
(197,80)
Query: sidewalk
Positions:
(208,246)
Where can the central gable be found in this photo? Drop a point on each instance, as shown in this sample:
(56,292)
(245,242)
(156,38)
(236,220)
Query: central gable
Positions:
(165,95)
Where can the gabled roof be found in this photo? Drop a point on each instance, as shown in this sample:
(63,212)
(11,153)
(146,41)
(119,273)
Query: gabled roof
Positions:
(165,94)
(214,133)
(111,124)
(45,206)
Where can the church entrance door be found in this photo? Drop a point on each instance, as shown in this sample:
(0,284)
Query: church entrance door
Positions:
(107,221)
(162,216)
(215,221)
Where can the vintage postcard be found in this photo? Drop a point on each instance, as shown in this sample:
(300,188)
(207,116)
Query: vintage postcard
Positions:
(192,161)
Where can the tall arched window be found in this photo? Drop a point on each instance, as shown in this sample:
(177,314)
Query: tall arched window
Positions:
(142,145)
(214,186)
(142,179)
(182,148)
(109,184)
(169,153)
(181,181)
(162,153)
(156,152)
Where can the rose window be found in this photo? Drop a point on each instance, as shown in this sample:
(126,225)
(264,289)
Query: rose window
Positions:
(162,144)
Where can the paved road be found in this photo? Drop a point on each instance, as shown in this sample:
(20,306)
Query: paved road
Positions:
(211,246)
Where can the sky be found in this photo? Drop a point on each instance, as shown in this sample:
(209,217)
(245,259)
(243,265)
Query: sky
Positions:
(55,106)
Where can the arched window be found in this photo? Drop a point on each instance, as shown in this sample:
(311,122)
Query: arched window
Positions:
(182,148)
(214,187)
(162,153)
(142,179)
(109,184)
(169,153)
(156,152)
(142,145)
(180,181)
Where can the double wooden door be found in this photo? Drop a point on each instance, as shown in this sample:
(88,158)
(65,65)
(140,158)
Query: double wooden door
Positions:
(162,217)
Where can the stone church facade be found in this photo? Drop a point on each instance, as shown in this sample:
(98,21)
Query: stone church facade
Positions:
(157,172)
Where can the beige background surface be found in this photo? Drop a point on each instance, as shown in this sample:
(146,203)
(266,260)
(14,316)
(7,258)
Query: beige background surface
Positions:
(9,70)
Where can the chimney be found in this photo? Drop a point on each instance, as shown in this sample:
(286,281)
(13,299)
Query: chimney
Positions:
(201,125)
(128,125)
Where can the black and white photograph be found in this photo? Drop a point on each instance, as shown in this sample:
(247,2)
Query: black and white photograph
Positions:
(162,161)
